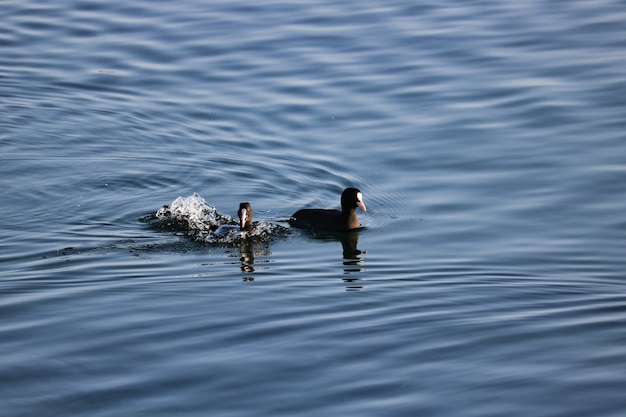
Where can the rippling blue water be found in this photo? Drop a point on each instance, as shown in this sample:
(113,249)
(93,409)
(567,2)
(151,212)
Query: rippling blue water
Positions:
(487,138)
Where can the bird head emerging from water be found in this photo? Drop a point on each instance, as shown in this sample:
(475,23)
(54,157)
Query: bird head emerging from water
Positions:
(245,216)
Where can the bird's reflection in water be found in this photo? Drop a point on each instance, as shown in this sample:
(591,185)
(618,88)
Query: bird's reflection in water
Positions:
(246,258)
(352,261)
(349,243)
(248,253)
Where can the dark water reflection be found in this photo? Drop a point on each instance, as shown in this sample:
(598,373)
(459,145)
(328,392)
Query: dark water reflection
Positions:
(247,257)
(353,259)
(249,251)
(349,241)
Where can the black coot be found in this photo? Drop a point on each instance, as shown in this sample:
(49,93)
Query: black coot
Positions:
(245,221)
(331,220)
(245,216)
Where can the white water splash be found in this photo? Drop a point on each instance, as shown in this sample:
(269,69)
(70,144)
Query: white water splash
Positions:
(196,218)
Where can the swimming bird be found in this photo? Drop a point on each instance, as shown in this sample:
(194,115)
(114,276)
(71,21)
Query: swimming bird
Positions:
(332,220)
(245,222)
(245,216)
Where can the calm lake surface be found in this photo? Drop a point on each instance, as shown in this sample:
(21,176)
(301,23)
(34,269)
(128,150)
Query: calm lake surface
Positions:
(488,139)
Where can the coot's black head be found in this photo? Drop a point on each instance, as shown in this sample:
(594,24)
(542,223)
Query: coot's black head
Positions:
(351,198)
(245,216)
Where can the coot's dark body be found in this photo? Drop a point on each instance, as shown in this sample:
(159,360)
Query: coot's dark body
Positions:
(331,220)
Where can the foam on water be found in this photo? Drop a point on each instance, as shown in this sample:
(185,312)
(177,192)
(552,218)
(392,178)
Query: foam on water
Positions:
(196,218)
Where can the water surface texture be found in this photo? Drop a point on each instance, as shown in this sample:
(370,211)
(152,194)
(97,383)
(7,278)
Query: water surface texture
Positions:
(488,139)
